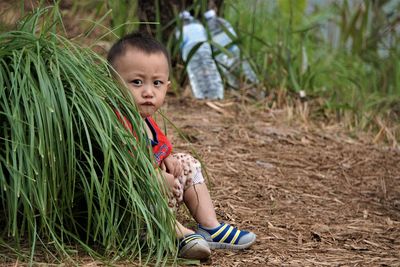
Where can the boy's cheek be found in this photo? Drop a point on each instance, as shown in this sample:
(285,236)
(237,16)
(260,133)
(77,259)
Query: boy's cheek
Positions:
(131,90)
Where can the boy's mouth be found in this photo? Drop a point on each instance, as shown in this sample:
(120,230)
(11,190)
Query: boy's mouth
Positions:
(147,104)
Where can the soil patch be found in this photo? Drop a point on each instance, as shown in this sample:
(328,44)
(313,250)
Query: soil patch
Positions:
(313,196)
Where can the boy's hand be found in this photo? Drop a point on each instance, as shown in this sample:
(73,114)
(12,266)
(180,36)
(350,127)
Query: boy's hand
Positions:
(173,184)
(173,166)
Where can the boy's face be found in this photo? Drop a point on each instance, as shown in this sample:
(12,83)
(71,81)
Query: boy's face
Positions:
(146,77)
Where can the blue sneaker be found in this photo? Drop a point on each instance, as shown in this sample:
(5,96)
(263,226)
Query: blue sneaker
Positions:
(225,236)
(194,247)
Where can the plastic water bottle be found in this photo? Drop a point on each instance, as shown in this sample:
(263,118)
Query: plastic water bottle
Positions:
(202,70)
(232,64)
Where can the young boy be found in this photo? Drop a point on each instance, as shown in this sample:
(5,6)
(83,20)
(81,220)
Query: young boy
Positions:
(142,64)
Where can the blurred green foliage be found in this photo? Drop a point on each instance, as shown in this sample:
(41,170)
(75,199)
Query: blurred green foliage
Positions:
(345,53)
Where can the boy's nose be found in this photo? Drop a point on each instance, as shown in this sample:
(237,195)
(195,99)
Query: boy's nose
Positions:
(147,92)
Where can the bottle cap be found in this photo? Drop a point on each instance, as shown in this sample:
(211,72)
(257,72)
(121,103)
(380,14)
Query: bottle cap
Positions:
(185,14)
(210,14)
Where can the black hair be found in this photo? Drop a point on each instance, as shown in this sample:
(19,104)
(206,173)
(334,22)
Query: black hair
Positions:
(138,40)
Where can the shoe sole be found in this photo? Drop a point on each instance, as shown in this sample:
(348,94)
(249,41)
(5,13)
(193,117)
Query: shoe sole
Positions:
(218,245)
(196,252)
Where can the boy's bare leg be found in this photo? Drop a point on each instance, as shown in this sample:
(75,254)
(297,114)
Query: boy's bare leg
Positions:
(182,231)
(198,200)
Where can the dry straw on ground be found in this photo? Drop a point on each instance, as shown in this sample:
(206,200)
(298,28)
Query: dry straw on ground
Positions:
(314,196)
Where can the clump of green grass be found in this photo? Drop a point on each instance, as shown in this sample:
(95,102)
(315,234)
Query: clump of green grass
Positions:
(70,174)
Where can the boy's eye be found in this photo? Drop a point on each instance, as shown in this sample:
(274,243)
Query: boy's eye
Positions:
(136,82)
(158,83)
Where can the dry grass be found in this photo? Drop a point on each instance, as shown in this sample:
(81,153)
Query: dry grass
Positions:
(314,196)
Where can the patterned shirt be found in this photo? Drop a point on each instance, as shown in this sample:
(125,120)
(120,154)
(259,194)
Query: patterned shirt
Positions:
(162,147)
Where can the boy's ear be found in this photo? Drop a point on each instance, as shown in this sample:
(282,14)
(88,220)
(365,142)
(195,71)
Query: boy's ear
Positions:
(168,85)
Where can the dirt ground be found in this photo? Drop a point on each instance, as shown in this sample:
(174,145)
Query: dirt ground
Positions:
(313,195)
